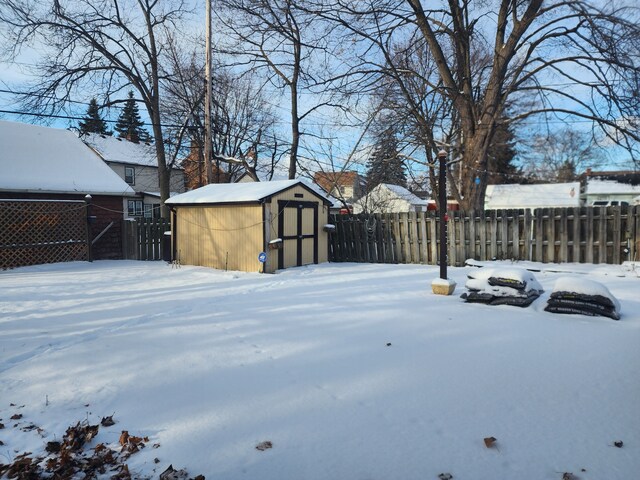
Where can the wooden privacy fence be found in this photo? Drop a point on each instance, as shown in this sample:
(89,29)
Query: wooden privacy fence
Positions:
(33,232)
(143,238)
(549,235)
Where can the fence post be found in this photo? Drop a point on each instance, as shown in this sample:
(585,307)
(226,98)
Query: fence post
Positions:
(87,199)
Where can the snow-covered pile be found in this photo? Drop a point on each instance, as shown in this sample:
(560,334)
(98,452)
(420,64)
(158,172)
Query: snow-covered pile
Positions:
(583,296)
(502,286)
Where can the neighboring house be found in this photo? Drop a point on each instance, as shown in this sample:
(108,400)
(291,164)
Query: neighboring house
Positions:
(195,174)
(262,176)
(387,198)
(50,164)
(346,186)
(609,188)
(544,195)
(137,165)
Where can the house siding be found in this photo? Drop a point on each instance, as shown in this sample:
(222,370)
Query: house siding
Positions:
(146,179)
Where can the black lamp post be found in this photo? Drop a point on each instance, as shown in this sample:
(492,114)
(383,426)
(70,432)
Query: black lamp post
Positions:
(442,285)
(442,212)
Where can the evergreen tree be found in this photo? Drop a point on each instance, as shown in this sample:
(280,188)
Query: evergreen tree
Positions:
(385,165)
(500,157)
(92,121)
(129,124)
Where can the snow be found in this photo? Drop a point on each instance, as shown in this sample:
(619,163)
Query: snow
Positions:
(533,196)
(404,194)
(50,160)
(584,286)
(235,192)
(113,149)
(599,187)
(352,371)
(386,197)
(479,280)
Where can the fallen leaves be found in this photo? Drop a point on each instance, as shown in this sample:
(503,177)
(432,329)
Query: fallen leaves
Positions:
(445,476)
(172,474)
(107,421)
(131,444)
(262,446)
(618,443)
(67,458)
(490,441)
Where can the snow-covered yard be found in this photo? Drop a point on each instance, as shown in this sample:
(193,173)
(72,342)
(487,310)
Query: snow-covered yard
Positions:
(352,371)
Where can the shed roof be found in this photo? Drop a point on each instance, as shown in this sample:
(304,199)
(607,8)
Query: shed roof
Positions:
(533,196)
(38,159)
(249,192)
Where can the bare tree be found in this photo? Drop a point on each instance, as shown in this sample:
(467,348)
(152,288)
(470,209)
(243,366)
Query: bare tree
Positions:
(111,46)
(571,60)
(561,156)
(284,42)
(241,118)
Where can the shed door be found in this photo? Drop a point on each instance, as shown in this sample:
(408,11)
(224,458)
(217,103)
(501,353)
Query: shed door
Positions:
(298,229)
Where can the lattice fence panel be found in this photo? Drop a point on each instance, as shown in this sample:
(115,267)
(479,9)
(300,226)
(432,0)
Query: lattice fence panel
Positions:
(33,232)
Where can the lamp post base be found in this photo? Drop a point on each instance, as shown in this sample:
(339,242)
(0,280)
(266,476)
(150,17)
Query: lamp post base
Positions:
(442,286)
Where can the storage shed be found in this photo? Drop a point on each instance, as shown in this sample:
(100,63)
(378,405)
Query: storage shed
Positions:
(227,226)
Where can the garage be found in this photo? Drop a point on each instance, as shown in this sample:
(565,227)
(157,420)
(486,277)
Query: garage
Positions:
(251,227)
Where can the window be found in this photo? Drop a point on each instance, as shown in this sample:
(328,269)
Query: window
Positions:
(151,210)
(134,208)
(130,175)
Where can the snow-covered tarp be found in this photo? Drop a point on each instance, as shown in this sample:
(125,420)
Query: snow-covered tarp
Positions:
(39,159)
(502,285)
(583,296)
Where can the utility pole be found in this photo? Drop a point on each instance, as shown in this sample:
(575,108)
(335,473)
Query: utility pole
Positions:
(207,99)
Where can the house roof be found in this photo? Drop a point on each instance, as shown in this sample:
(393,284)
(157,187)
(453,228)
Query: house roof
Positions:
(38,159)
(597,186)
(249,192)
(403,193)
(532,196)
(121,150)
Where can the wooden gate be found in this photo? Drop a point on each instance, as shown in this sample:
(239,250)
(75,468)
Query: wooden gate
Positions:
(143,239)
(33,232)
(298,229)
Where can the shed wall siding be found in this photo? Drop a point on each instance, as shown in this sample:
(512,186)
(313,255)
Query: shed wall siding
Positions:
(221,237)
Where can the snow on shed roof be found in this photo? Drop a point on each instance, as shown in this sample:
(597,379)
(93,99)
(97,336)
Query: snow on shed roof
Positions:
(237,192)
(121,150)
(533,196)
(40,159)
